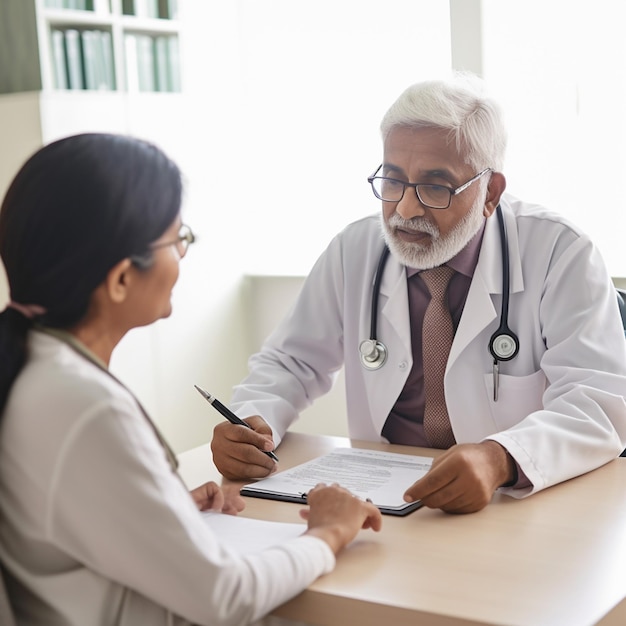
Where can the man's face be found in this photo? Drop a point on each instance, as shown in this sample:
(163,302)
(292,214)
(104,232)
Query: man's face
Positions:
(418,236)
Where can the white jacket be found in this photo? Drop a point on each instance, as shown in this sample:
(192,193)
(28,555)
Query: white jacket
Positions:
(97,529)
(561,409)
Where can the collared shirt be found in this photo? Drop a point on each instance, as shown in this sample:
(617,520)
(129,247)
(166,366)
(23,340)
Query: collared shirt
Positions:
(405,424)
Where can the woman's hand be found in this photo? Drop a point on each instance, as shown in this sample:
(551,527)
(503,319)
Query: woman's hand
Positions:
(336,516)
(210,497)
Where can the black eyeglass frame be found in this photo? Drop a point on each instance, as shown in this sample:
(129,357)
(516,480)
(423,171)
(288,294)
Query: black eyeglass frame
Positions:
(416,186)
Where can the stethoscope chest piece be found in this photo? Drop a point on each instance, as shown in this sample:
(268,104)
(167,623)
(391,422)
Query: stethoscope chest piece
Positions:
(373,354)
(503,344)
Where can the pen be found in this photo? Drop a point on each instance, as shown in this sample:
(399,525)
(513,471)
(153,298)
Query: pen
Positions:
(229,415)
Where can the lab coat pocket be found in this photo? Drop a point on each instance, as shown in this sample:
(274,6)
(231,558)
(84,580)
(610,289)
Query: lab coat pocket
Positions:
(518,396)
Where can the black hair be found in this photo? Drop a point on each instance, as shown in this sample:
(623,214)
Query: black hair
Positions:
(76,208)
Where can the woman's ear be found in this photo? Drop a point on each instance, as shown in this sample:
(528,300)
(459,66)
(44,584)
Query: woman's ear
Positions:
(496,187)
(118,281)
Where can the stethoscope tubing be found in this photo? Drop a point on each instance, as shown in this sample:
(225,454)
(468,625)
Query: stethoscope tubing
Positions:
(503,344)
(376,291)
(504,240)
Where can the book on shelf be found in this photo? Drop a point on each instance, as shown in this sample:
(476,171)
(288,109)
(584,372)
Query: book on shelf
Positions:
(140,8)
(167,61)
(168,9)
(153,8)
(90,59)
(145,63)
(132,68)
(77,5)
(161,63)
(146,8)
(162,9)
(106,45)
(82,59)
(174,63)
(141,72)
(74,59)
(97,74)
(102,6)
(58,59)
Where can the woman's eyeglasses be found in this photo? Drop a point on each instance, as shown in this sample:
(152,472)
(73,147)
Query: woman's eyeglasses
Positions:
(182,242)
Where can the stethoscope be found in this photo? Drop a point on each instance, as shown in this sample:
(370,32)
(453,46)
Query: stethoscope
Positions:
(503,344)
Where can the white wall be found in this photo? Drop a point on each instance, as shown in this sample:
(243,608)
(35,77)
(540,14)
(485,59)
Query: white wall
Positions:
(276,133)
(283,98)
(316,78)
(270,298)
(559,70)
(279,130)
(284,103)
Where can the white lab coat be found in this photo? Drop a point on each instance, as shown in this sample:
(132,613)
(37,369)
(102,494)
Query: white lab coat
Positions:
(561,409)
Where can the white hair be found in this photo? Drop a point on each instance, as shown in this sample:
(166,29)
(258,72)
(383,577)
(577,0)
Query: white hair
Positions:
(459,105)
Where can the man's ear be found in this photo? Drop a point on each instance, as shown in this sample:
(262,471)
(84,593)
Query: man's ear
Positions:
(118,281)
(496,187)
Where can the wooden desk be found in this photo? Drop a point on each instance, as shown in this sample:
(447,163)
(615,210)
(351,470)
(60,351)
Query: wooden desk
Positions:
(557,558)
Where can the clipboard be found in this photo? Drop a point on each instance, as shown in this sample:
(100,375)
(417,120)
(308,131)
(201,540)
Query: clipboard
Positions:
(401,511)
(381,477)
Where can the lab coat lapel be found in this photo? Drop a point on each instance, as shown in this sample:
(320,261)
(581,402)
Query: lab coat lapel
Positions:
(394,328)
(479,309)
(395,300)
(478,313)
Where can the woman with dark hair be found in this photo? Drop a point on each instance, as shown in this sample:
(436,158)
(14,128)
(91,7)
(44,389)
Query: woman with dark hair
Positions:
(96,526)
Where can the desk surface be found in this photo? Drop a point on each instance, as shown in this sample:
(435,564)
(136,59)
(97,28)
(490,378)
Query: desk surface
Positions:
(557,558)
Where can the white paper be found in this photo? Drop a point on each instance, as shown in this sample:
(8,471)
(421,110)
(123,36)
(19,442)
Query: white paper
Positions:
(383,477)
(242,535)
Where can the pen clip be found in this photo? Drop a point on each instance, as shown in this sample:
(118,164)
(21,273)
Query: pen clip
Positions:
(496,379)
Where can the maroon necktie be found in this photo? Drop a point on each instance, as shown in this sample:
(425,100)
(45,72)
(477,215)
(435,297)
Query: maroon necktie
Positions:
(437,335)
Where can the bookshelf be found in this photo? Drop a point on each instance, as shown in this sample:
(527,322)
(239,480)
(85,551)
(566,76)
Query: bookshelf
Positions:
(89,45)
(37,107)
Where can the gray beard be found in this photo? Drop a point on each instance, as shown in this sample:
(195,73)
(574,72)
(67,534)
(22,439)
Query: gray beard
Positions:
(440,249)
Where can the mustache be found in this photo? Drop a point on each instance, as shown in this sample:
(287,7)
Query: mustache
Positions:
(420,224)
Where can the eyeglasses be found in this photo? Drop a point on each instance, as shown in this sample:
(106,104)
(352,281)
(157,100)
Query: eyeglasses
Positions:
(431,196)
(182,242)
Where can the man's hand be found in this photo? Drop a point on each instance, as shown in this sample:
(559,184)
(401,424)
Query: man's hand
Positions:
(237,449)
(464,478)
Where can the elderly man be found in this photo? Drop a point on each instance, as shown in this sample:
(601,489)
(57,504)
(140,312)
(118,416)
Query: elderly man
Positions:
(494,331)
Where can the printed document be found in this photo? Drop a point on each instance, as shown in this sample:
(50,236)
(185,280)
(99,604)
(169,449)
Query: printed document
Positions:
(383,477)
